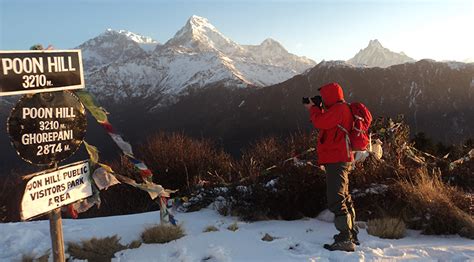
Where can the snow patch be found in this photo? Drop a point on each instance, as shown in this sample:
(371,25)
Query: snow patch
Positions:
(298,240)
(456,65)
(374,189)
(326,216)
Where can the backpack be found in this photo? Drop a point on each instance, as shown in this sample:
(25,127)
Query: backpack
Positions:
(358,136)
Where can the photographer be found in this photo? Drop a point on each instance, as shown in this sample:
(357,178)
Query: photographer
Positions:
(329,113)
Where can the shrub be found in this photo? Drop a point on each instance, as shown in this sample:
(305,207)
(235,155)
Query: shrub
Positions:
(11,192)
(210,229)
(461,175)
(441,209)
(263,155)
(162,234)
(392,228)
(122,199)
(272,152)
(96,249)
(277,186)
(134,244)
(180,162)
(233,227)
(394,135)
(35,258)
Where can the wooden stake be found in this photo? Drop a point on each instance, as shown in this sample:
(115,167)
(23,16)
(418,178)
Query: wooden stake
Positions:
(56,231)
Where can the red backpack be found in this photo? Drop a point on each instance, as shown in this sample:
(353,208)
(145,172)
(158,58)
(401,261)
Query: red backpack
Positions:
(359,136)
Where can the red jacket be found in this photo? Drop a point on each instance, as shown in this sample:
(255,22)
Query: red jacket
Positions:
(332,146)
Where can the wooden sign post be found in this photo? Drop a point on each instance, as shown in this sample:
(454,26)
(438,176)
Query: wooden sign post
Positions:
(56,232)
(46,128)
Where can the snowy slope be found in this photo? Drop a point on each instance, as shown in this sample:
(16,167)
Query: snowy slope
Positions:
(197,56)
(375,55)
(299,240)
(146,43)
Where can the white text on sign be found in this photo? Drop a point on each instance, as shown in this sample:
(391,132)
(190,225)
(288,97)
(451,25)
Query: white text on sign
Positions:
(35,65)
(55,132)
(47,112)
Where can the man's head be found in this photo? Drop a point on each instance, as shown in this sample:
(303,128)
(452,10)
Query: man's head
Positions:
(331,94)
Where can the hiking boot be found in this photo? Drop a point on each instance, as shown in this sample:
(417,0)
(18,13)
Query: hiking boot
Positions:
(354,238)
(347,246)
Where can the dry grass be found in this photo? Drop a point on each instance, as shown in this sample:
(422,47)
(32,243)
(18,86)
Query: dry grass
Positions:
(265,153)
(34,258)
(162,234)
(392,228)
(134,244)
(438,204)
(298,185)
(210,229)
(182,162)
(233,227)
(95,249)
(272,151)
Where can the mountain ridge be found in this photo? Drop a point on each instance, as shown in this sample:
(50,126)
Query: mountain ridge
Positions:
(376,55)
(196,56)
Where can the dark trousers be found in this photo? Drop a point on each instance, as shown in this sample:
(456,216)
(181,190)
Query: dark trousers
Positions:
(339,199)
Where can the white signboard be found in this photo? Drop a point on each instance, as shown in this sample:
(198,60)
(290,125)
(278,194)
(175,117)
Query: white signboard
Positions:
(47,191)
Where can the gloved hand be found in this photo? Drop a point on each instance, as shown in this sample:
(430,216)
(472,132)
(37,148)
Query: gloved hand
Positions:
(318,101)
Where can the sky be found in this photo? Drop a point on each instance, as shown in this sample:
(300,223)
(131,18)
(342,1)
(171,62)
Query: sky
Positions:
(329,30)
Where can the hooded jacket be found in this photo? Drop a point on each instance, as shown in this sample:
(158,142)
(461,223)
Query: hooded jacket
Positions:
(332,145)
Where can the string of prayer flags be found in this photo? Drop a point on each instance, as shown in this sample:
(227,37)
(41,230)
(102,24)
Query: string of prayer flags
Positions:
(124,146)
(88,101)
(165,215)
(104,179)
(154,190)
(100,115)
(145,173)
(93,153)
(85,204)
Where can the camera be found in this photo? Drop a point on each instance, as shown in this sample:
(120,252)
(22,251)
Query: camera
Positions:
(314,99)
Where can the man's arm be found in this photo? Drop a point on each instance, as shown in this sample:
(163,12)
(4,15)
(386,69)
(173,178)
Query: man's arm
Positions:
(324,119)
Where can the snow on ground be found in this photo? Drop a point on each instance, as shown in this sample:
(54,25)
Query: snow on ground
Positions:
(299,240)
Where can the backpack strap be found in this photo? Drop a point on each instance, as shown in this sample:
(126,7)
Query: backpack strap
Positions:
(348,141)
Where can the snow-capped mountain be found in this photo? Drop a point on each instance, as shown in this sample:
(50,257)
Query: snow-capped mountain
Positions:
(114,46)
(197,56)
(271,51)
(146,43)
(375,55)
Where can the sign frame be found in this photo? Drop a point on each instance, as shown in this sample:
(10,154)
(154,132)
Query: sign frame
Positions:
(47,89)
